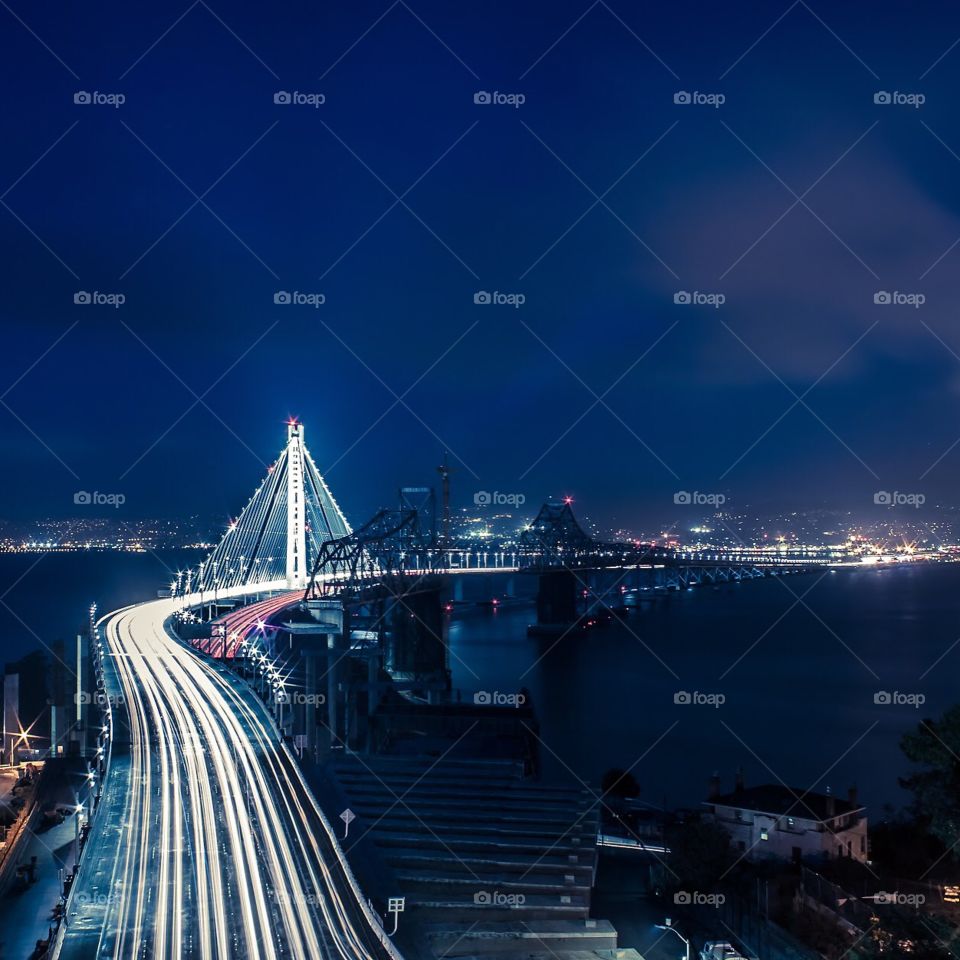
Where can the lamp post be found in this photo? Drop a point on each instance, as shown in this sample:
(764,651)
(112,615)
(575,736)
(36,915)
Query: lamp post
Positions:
(668,925)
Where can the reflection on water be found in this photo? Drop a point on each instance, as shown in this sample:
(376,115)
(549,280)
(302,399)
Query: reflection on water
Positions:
(799,662)
(46,596)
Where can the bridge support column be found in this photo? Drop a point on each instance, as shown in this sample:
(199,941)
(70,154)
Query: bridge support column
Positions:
(557,597)
(333,672)
(309,730)
(417,644)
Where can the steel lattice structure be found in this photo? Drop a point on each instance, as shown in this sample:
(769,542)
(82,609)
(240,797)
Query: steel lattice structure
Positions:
(393,542)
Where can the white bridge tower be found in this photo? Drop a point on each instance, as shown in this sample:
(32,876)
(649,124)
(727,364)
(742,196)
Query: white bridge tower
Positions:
(278,534)
(297,572)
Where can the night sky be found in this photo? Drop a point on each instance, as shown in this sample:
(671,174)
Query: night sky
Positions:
(399,198)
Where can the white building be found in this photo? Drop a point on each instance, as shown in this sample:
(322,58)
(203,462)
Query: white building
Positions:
(776,821)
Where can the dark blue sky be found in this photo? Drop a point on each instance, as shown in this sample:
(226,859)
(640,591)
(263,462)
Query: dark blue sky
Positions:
(798,199)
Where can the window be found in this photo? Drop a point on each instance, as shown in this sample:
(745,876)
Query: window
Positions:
(764,835)
(790,823)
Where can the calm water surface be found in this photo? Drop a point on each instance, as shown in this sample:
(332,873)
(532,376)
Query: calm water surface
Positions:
(798,679)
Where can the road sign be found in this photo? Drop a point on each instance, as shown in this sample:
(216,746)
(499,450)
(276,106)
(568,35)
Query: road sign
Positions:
(396,905)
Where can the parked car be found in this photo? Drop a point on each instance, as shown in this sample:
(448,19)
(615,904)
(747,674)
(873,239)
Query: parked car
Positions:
(722,950)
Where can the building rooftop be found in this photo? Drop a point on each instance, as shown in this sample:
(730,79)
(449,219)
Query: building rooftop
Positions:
(774,798)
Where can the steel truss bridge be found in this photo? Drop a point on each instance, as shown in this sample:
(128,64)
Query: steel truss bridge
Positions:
(292,534)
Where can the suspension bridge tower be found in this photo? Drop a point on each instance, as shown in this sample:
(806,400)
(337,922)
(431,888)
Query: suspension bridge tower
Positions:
(278,534)
(297,572)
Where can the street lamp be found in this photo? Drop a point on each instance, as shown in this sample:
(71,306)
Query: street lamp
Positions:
(668,925)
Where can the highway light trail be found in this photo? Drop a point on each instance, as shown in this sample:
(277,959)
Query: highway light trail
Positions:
(238,624)
(224,852)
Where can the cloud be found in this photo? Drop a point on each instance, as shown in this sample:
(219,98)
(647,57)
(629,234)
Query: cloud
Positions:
(800,291)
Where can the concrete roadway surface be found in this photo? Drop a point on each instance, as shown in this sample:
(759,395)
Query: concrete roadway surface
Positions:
(208,843)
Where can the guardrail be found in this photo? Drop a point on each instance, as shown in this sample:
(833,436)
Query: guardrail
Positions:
(53,951)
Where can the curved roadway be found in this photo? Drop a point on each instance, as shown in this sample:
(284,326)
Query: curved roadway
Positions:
(216,848)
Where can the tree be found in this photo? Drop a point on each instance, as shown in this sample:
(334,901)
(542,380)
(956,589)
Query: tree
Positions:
(620,783)
(935,747)
(700,855)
